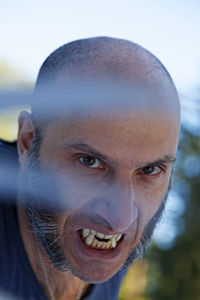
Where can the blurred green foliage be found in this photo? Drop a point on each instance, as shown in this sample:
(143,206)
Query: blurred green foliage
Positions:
(175,273)
(135,282)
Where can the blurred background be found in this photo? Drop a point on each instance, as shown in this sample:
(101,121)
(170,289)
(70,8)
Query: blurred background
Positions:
(31,30)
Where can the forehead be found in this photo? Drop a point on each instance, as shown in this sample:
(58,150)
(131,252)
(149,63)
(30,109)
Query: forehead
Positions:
(142,132)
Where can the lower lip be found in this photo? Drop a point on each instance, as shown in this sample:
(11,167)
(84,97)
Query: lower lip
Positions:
(103,255)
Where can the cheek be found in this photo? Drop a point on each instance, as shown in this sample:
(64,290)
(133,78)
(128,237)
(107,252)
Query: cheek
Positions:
(78,190)
(61,221)
(75,194)
(148,202)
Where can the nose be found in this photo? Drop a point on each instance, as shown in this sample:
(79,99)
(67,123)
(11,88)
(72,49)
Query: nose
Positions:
(118,206)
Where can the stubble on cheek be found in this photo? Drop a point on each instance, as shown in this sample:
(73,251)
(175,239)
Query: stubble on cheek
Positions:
(143,238)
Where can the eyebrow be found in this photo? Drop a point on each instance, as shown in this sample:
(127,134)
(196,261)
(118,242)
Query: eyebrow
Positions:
(166,159)
(88,149)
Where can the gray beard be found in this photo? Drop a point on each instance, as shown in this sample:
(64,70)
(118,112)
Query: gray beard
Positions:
(38,198)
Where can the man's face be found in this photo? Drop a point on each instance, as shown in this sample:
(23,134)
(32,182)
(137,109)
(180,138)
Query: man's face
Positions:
(110,174)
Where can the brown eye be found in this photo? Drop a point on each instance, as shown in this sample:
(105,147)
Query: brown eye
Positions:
(151,170)
(90,162)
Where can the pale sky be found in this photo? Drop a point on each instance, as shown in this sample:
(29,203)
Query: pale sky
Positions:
(31,30)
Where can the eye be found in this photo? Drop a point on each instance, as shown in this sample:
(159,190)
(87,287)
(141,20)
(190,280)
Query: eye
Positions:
(90,161)
(152,170)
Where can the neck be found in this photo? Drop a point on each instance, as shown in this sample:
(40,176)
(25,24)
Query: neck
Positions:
(64,285)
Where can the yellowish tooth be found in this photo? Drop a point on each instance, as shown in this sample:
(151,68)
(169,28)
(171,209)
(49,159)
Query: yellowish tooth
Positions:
(95,241)
(93,232)
(118,237)
(108,244)
(107,236)
(85,232)
(104,245)
(89,239)
(99,235)
(113,241)
(99,244)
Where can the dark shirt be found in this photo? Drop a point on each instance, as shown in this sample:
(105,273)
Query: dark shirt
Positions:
(16,275)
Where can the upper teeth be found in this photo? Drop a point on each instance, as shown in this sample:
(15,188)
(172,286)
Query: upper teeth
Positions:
(90,240)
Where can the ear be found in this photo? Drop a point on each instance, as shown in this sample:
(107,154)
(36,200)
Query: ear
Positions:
(26,132)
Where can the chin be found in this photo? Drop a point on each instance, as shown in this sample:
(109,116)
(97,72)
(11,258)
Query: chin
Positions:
(96,274)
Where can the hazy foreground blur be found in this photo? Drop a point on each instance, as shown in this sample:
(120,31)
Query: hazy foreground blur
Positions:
(171,269)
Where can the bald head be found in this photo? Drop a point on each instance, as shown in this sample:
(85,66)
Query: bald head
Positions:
(108,57)
(102,60)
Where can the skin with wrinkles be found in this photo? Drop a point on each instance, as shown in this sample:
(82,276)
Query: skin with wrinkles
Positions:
(109,170)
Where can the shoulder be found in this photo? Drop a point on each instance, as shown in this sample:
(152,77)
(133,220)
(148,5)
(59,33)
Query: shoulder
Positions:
(8,169)
(8,154)
(115,282)
(109,290)
(9,148)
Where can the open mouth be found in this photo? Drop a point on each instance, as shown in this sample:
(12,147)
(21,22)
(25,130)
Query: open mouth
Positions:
(98,240)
